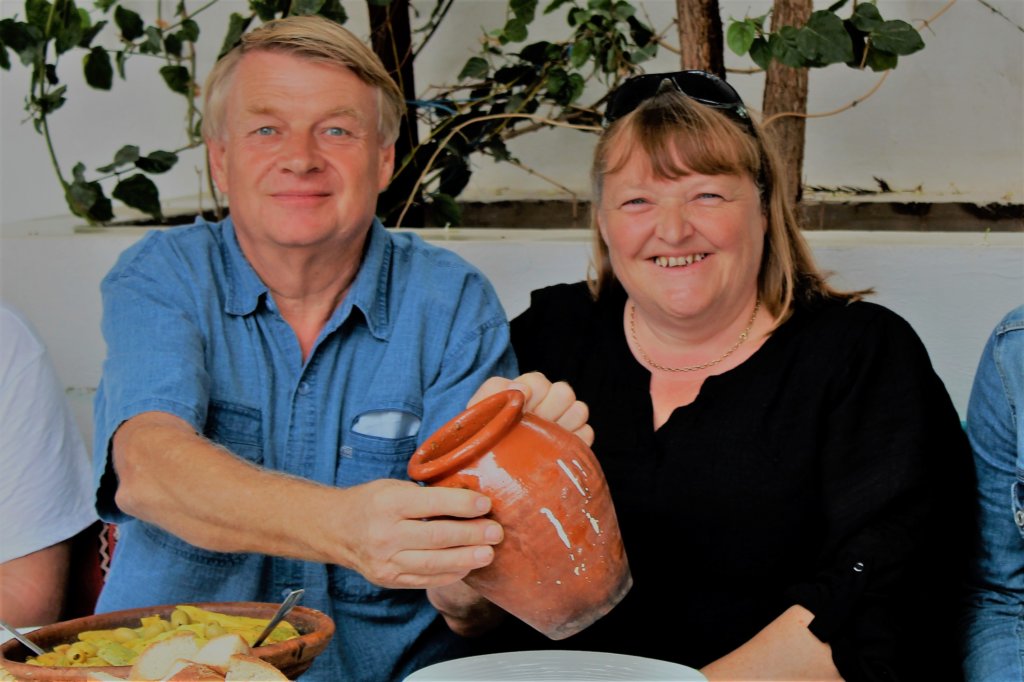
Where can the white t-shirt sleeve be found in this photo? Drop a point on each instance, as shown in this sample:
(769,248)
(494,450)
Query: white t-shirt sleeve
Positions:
(45,479)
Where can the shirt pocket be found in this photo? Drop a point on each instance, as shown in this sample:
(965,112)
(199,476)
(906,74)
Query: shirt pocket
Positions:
(238,428)
(360,460)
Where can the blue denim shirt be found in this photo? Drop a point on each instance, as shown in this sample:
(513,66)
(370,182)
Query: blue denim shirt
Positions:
(191,330)
(995,426)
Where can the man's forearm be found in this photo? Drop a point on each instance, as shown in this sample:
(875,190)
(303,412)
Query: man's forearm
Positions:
(176,479)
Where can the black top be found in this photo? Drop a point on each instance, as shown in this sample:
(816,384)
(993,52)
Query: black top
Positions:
(829,469)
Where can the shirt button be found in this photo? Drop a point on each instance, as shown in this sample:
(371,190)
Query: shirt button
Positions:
(858,567)
(1018,516)
(303,388)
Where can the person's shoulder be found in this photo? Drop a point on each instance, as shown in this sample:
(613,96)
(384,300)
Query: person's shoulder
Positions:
(168,243)
(569,307)
(18,338)
(563,296)
(860,315)
(1012,321)
(412,249)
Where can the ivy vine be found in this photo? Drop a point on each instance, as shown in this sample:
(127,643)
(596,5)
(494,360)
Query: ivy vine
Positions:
(511,87)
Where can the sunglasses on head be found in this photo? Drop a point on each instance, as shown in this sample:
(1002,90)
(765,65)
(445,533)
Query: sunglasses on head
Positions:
(700,86)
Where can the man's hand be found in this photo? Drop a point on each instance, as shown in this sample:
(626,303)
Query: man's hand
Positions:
(398,534)
(467,612)
(555,402)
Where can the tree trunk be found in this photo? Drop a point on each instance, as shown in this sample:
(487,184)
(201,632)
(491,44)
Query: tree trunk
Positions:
(785,90)
(391,39)
(700,36)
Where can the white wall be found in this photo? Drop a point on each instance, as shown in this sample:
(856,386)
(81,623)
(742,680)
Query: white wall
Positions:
(952,288)
(949,120)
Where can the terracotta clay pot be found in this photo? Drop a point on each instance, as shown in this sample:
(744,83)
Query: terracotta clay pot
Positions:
(561,565)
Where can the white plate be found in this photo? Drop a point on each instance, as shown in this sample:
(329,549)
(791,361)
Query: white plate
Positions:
(554,666)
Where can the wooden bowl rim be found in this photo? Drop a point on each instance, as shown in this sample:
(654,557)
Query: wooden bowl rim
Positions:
(319,629)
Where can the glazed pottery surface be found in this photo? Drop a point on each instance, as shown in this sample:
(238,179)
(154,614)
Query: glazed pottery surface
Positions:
(292,657)
(561,565)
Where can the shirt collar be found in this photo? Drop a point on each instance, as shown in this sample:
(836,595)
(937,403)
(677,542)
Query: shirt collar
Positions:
(368,292)
(245,288)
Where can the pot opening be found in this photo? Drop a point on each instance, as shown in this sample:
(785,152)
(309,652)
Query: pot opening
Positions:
(467,436)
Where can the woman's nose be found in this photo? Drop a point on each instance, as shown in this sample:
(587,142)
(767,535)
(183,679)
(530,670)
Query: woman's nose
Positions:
(674,224)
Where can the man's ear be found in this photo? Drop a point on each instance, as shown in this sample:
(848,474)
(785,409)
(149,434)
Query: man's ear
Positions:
(216,150)
(386,166)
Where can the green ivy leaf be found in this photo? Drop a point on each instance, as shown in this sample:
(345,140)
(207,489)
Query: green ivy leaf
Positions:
(740,36)
(866,17)
(68,27)
(880,60)
(120,58)
(555,4)
(310,7)
(524,10)
(643,54)
(537,53)
(86,199)
(784,47)
(334,11)
(25,39)
(641,34)
(99,73)
(154,42)
(580,51)
(173,44)
(476,67)
(824,40)
(515,31)
(578,17)
(835,7)
(443,210)
(897,37)
(126,155)
(267,9)
(761,52)
(237,25)
(177,79)
(129,22)
(623,10)
(189,31)
(90,33)
(51,101)
(139,192)
(105,5)
(157,162)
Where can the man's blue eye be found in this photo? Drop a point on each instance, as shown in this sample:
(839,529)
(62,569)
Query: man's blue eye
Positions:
(336,132)
(265,130)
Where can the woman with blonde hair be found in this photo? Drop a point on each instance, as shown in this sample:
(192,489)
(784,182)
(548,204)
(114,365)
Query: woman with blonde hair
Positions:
(789,473)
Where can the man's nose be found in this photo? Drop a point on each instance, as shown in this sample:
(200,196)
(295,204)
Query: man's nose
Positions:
(300,154)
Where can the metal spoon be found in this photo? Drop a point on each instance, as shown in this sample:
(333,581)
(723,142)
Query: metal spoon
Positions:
(286,606)
(22,638)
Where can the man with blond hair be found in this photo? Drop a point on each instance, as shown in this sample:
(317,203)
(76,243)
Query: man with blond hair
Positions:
(268,376)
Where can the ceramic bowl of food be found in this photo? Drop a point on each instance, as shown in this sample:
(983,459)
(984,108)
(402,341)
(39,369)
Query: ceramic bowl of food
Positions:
(291,656)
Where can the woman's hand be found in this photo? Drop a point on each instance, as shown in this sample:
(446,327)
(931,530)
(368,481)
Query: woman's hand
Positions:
(467,613)
(555,402)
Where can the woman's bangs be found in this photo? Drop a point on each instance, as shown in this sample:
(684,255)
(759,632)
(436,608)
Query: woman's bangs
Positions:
(681,140)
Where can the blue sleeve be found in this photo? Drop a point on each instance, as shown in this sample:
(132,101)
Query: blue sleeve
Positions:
(155,356)
(995,619)
(478,347)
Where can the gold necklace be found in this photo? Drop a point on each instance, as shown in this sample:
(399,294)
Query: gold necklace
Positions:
(692,368)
